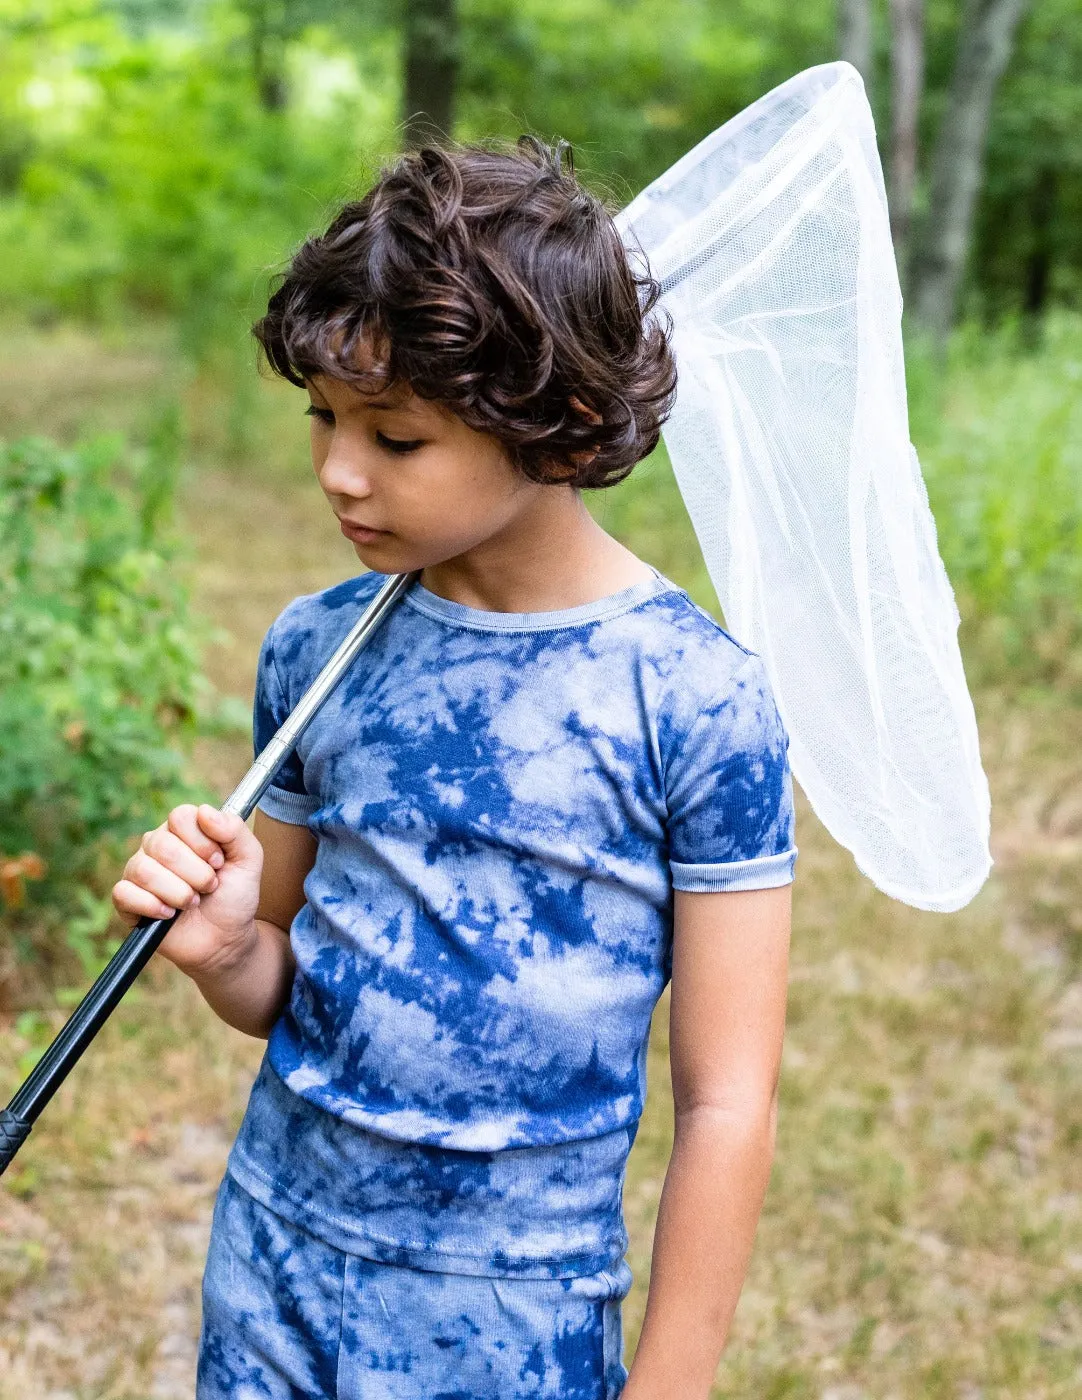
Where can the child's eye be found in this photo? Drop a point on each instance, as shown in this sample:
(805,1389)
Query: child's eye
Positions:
(399,444)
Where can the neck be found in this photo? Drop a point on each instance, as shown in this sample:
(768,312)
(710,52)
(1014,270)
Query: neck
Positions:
(554,555)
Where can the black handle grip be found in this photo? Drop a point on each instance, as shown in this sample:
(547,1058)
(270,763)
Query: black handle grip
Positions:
(13,1133)
(79,1030)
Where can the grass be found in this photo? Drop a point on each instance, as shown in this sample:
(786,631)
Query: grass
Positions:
(922,1236)
(1000,437)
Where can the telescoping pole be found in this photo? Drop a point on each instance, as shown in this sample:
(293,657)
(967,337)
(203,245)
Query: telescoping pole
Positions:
(137,949)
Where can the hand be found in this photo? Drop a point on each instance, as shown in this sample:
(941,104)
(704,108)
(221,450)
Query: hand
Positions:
(206,863)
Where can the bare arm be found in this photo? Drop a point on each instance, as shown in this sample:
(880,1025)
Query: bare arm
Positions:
(727,1020)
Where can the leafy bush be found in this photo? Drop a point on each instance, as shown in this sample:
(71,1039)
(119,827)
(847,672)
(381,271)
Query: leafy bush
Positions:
(152,183)
(1000,442)
(100,688)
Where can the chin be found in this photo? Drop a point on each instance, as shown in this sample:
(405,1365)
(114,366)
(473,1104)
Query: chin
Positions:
(379,555)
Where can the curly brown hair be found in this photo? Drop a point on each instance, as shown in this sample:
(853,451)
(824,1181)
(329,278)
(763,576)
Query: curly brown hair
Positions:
(490,281)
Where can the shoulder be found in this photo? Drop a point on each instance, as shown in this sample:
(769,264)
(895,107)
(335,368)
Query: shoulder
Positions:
(316,610)
(709,682)
(307,630)
(694,657)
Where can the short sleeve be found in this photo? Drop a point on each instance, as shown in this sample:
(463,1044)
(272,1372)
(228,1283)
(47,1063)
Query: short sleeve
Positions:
(729,792)
(286,799)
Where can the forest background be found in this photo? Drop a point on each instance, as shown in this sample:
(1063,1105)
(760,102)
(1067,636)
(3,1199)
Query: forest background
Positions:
(159,160)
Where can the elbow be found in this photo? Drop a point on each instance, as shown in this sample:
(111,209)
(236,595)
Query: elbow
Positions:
(752,1117)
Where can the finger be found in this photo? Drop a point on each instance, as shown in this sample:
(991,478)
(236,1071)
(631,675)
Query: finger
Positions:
(231,833)
(133,903)
(176,855)
(143,870)
(183,823)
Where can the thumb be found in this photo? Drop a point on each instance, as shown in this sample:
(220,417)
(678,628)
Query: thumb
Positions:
(230,832)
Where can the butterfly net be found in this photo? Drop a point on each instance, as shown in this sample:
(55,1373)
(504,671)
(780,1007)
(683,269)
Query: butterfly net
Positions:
(790,445)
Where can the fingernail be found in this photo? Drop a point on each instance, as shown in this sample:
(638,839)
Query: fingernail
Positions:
(195,899)
(217,860)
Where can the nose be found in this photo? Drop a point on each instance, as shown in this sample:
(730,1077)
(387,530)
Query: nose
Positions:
(345,471)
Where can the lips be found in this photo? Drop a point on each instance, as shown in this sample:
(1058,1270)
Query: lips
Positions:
(354,529)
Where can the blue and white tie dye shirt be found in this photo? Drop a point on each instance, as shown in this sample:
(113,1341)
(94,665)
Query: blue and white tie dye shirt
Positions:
(504,804)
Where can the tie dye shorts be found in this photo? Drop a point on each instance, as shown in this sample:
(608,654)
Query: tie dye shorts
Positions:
(288,1317)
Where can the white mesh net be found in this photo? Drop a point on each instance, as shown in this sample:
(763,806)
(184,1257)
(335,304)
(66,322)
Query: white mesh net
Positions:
(790,445)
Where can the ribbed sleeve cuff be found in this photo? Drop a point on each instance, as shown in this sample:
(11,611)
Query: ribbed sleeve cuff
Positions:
(762,873)
(284,806)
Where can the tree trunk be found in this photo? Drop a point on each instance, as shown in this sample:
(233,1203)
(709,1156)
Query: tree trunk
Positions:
(855,37)
(1042,216)
(907,87)
(1042,211)
(266,37)
(984,47)
(431,69)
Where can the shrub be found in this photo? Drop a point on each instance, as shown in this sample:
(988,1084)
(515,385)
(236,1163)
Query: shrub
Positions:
(1000,443)
(100,688)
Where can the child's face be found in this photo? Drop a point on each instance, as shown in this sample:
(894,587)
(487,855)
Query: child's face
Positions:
(405,466)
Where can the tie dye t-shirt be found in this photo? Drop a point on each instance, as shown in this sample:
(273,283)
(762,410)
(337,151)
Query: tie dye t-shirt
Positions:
(504,804)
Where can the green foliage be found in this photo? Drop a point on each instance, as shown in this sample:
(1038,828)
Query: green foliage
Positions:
(659,78)
(1000,443)
(143,176)
(143,170)
(1026,241)
(100,691)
